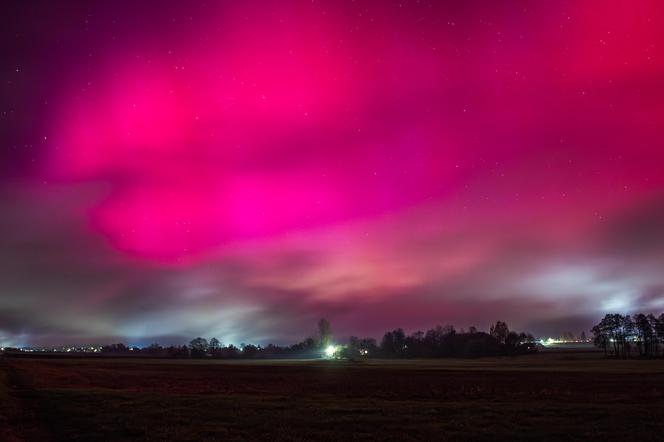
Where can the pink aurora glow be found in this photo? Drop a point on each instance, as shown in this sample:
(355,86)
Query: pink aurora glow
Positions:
(293,117)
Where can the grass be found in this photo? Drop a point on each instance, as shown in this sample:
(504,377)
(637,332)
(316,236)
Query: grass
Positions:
(8,407)
(541,397)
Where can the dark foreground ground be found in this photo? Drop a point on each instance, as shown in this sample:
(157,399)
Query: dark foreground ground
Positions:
(541,397)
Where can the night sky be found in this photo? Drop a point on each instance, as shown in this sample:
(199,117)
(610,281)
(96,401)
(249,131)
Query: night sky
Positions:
(241,169)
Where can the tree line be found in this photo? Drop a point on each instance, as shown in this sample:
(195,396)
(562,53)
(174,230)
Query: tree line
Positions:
(438,342)
(626,336)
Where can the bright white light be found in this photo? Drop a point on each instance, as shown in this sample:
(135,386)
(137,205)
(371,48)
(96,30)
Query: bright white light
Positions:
(549,341)
(330,351)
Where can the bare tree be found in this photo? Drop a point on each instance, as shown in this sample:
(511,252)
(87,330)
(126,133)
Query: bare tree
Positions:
(214,346)
(198,346)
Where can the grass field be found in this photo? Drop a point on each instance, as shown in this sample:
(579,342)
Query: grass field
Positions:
(571,396)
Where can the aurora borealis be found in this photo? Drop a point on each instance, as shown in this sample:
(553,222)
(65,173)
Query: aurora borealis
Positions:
(241,169)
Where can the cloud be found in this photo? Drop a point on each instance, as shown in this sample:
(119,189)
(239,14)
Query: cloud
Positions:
(638,232)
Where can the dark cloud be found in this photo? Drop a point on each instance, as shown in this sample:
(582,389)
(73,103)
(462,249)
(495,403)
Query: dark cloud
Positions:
(555,327)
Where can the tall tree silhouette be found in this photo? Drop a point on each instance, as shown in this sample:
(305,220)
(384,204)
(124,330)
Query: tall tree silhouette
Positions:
(499,331)
(324,333)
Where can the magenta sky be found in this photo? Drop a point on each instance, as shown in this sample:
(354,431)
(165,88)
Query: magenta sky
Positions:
(240,169)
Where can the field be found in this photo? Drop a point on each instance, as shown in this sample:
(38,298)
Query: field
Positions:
(571,396)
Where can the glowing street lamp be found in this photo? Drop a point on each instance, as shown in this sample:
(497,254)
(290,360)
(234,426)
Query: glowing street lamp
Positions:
(330,351)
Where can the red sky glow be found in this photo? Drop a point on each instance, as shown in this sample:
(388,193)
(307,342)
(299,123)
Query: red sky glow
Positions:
(241,169)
